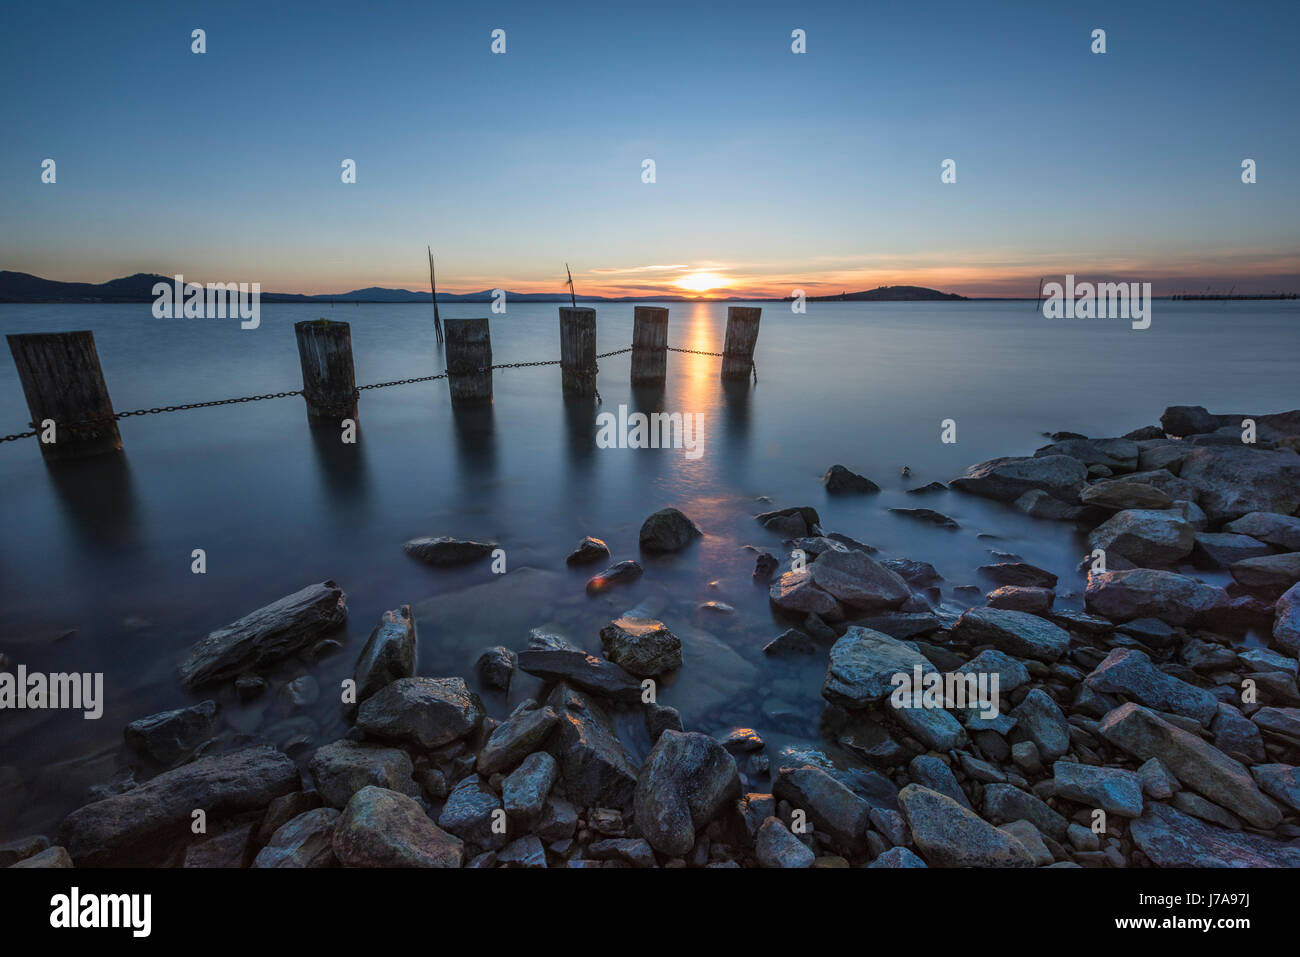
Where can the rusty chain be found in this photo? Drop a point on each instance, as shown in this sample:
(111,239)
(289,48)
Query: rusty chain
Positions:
(97,423)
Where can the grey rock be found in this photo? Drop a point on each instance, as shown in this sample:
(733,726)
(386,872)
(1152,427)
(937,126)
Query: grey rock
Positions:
(1019,573)
(897,857)
(171,735)
(1196,764)
(1014,632)
(595,769)
(862,665)
(589,551)
(1286,625)
(796,592)
(927,515)
(583,671)
(1236,736)
(343,768)
(265,636)
(776,847)
(1222,549)
(381,828)
(1118,455)
(685,782)
(515,738)
(1006,479)
(858,581)
(389,653)
(1144,537)
(635,851)
(1156,780)
(425,712)
(1005,803)
(469,815)
(526,852)
(1279,781)
(49,858)
(1235,481)
(1112,789)
(620,573)
(832,806)
(1033,601)
(790,643)
(305,841)
(1170,838)
(931,772)
(1044,724)
(1271,574)
(495,667)
(1151,593)
(840,481)
(1129,672)
(525,790)
(949,835)
(1280,531)
(1125,493)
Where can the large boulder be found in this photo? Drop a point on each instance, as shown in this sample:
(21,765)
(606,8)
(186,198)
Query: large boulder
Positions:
(425,712)
(389,653)
(1151,593)
(668,530)
(1197,764)
(265,636)
(1234,481)
(1006,479)
(381,828)
(140,827)
(1014,632)
(685,782)
(1145,536)
(863,664)
(593,765)
(949,835)
(344,767)
(858,581)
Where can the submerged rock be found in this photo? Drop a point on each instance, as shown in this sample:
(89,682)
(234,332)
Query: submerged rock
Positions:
(445,550)
(265,636)
(621,573)
(927,515)
(840,481)
(171,735)
(589,551)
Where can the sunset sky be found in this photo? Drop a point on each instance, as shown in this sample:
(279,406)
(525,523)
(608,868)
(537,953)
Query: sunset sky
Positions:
(775,171)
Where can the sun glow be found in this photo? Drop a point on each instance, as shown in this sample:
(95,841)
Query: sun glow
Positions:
(703,281)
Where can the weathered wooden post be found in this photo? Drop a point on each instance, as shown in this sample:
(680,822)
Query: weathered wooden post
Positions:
(469,361)
(742,334)
(63,383)
(649,345)
(329,382)
(578,350)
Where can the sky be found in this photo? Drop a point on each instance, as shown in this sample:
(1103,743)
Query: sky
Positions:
(774,171)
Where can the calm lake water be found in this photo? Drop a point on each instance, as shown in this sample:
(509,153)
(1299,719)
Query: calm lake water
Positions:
(95,563)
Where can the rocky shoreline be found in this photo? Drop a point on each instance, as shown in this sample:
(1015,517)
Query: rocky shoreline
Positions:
(1156,726)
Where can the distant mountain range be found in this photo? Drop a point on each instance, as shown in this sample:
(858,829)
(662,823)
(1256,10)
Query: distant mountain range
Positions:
(24,287)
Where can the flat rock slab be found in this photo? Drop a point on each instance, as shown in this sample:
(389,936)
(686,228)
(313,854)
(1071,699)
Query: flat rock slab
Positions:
(1145,536)
(1014,632)
(1173,839)
(141,827)
(1130,672)
(1281,531)
(581,670)
(265,636)
(858,581)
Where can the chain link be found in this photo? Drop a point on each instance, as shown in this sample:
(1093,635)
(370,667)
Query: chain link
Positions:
(98,423)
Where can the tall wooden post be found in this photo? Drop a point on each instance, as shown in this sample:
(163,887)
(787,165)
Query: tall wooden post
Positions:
(742,334)
(649,345)
(469,361)
(329,382)
(63,382)
(578,350)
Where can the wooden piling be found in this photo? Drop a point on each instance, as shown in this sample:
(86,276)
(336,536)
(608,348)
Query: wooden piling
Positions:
(578,350)
(63,382)
(329,381)
(649,345)
(469,350)
(742,335)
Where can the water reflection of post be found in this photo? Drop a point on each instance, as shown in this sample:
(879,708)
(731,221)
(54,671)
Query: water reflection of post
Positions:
(97,500)
(736,397)
(343,466)
(476,443)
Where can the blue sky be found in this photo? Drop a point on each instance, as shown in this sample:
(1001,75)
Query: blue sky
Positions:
(774,170)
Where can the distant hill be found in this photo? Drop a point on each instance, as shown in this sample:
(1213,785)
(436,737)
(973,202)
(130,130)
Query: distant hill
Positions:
(891,294)
(24,287)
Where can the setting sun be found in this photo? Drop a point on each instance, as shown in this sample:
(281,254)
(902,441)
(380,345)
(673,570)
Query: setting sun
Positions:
(703,281)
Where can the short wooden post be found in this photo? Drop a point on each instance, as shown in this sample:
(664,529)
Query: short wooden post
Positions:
(63,383)
(649,345)
(329,382)
(742,334)
(469,361)
(578,350)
